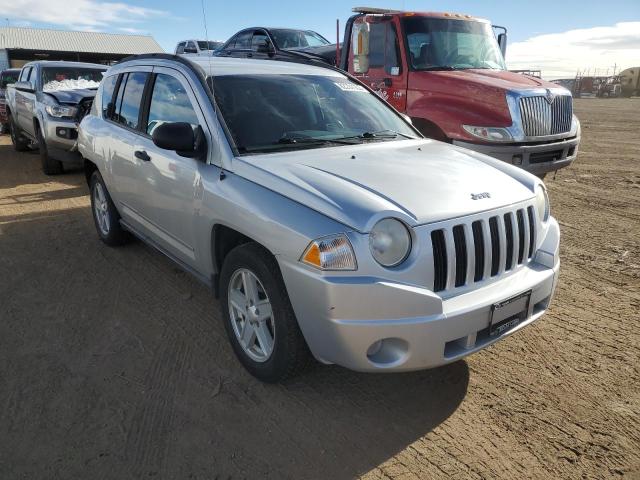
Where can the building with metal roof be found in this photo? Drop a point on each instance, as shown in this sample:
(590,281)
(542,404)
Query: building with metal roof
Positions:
(21,45)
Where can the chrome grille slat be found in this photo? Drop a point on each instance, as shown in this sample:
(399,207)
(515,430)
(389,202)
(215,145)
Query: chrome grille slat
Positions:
(483,249)
(540,118)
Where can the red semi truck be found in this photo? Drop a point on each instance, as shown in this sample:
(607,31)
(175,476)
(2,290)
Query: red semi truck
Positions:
(447,73)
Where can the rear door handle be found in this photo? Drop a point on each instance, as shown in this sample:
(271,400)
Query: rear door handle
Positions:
(142,155)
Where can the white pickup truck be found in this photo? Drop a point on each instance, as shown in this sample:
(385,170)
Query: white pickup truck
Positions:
(201,48)
(45,106)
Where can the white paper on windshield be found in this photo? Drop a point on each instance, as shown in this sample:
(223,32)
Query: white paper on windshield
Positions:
(350,87)
(70,84)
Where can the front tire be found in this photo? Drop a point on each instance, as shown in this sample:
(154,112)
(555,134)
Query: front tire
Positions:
(50,166)
(105,215)
(18,141)
(258,315)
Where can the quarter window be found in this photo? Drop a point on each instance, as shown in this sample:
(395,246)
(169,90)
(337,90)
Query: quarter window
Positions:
(131,98)
(108,87)
(169,103)
(24,76)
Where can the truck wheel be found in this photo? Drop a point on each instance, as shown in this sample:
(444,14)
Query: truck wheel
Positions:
(105,214)
(50,166)
(258,316)
(19,143)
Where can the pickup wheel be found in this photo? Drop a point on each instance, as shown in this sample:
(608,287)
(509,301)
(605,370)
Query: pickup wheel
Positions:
(50,166)
(19,143)
(105,215)
(258,316)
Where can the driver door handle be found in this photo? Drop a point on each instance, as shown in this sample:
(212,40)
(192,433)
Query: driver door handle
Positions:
(142,155)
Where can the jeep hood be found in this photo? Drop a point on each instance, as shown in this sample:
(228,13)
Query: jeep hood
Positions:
(419,181)
(71,97)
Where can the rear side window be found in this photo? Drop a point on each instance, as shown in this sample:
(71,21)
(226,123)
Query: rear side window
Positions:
(131,98)
(108,87)
(169,103)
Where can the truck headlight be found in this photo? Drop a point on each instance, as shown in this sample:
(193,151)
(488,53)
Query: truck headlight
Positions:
(489,134)
(390,242)
(542,203)
(60,111)
(330,253)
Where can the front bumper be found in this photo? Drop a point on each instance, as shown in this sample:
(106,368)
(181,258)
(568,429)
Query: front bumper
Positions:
(536,158)
(372,324)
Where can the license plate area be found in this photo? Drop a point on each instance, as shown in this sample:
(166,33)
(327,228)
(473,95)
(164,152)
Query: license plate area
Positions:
(510,312)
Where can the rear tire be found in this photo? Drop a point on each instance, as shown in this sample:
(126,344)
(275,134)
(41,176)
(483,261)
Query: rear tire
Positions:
(105,214)
(286,354)
(50,166)
(19,143)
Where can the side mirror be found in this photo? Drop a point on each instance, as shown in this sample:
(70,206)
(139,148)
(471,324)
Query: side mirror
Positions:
(502,41)
(181,138)
(25,86)
(190,50)
(266,47)
(360,43)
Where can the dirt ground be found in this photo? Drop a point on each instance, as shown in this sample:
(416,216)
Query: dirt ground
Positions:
(114,363)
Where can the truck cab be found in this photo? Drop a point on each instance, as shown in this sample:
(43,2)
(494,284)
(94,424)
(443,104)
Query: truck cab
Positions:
(447,73)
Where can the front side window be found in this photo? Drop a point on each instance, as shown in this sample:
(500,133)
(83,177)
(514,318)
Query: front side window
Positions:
(70,78)
(383,46)
(131,98)
(443,44)
(260,39)
(267,113)
(169,103)
(108,87)
(285,38)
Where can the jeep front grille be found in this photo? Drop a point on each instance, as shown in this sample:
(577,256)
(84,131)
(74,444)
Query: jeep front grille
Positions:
(541,118)
(471,252)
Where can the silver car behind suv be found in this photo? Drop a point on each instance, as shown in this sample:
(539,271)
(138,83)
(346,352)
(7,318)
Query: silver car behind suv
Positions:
(325,222)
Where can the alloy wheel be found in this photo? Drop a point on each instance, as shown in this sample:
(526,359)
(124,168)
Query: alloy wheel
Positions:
(251,315)
(101,208)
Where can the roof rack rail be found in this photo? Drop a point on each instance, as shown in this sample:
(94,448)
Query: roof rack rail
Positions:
(373,10)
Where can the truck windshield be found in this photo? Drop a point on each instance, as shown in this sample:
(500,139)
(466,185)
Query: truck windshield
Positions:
(286,38)
(70,78)
(444,44)
(269,113)
(8,77)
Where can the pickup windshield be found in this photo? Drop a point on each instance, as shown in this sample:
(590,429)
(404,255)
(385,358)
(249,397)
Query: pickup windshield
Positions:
(286,38)
(70,78)
(269,113)
(444,44)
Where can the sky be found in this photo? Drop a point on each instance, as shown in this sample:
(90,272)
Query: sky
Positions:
(558,37)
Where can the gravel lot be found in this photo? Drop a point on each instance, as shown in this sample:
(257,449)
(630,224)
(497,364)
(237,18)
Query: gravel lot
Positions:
(114,363)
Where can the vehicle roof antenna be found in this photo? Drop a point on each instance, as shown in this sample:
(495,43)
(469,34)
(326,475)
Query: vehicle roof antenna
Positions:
(206,37)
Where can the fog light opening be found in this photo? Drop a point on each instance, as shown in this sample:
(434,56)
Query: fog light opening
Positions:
(388,352)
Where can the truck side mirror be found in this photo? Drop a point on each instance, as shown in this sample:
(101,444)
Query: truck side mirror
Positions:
(190,50)
(25,86)
(360,42)
(180,137)
(502,41)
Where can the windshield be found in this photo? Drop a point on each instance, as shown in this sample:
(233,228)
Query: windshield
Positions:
(209,45)
(297,39)
(8,78)
(443,44)
(268,113)
(70,78)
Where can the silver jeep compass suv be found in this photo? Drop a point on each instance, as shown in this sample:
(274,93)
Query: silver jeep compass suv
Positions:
(327,225)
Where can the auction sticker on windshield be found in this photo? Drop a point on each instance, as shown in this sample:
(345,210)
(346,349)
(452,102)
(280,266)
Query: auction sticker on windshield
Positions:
(350,87)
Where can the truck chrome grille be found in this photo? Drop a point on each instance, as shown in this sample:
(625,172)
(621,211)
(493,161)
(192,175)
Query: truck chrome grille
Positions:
(472,252)
(541,118)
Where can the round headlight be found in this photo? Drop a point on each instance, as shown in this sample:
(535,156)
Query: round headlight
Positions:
(390,242)
(542,203)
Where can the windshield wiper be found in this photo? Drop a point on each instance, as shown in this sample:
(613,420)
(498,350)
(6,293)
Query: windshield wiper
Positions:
(439,67)
(312,141)
(380,134)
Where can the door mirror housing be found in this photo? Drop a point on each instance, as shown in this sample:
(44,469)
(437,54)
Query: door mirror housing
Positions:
(190,50)
(502,41)
(266,47)
(25,86)
(360,42)
(181,138)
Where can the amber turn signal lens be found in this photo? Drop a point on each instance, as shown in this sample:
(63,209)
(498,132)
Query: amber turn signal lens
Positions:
(330,253)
